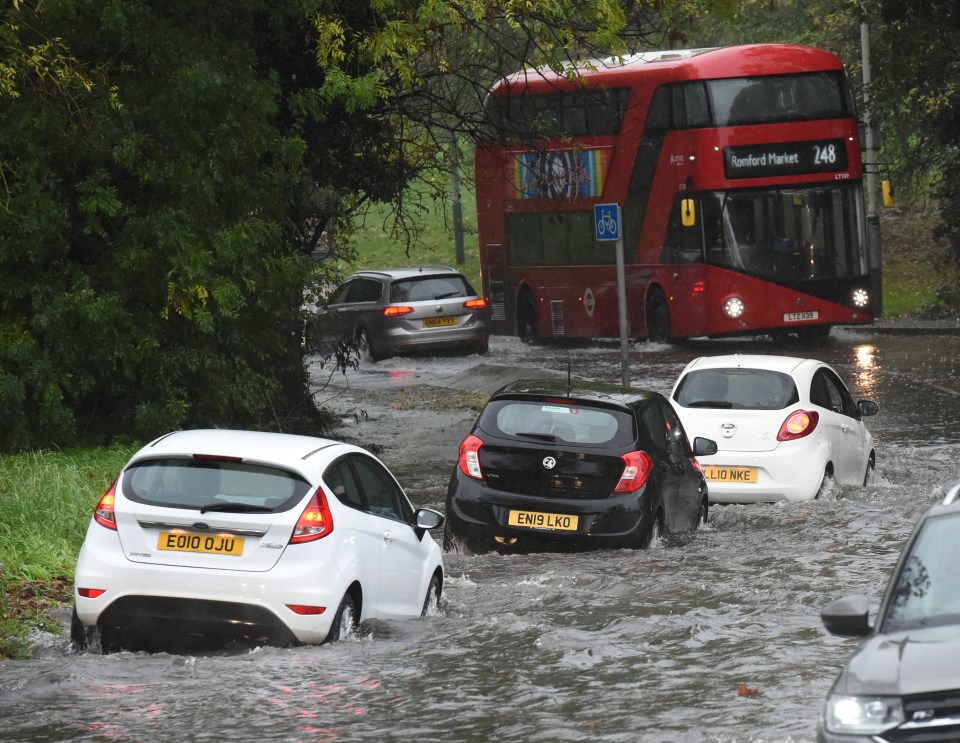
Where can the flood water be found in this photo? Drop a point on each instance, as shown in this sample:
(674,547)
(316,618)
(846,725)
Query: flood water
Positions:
(712,636)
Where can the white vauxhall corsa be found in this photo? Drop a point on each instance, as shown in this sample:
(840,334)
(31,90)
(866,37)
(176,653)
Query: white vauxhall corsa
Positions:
(783,425)
(266,538)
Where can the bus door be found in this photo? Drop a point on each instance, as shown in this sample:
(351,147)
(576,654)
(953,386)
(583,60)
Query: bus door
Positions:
(682,273)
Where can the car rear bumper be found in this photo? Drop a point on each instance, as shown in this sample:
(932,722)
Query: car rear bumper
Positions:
(399,340)
(791,473)
(477,512)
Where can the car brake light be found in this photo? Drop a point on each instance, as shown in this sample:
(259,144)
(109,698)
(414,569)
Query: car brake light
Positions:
(315,522)
(469,457)
(637,466)
(396,310)
(475,304)
(91,593)
(305,610)
(103,514)
(798,424)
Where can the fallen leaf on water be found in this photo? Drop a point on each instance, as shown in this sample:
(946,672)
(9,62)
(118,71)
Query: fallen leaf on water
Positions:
(745,691)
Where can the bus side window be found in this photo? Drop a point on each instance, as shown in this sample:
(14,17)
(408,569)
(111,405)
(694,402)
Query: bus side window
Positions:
(658,116)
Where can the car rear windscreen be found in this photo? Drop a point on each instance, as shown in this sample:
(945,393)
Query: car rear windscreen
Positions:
(741,389)
(430,289)
(555,421)
(192,483)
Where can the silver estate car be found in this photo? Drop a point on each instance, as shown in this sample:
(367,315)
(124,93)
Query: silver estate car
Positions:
(423,308)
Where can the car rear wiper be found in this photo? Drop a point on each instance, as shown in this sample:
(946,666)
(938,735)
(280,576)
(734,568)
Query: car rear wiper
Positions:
(540,436)
(710,404)
(235,507)
(448,295)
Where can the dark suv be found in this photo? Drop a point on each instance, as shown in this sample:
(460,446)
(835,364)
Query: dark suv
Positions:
(425,308)
(903,683)
(552,463)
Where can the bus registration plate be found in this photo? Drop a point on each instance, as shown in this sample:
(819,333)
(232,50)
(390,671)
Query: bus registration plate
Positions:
(730,474)
(439,322)
(536,520)
(799,316)
(214,544)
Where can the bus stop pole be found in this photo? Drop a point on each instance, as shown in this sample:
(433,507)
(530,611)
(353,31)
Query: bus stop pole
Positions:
(622,307)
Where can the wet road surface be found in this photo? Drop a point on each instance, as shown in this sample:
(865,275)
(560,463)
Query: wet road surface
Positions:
(713,636)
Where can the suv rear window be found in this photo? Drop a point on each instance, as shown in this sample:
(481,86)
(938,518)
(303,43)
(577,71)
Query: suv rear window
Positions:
(191,483)
(430,288)
(742,389)
(555,421)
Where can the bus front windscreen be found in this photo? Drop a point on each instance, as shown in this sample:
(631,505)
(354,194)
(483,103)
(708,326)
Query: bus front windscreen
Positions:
(792,234)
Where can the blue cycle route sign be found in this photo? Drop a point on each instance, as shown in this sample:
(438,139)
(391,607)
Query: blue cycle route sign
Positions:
(606,221)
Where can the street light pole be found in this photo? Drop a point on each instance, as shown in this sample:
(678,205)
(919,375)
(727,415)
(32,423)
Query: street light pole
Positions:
(873,220)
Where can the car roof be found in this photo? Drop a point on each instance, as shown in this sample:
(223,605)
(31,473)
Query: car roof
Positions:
(580,390)
(284,449)
(784,364)
(408,272)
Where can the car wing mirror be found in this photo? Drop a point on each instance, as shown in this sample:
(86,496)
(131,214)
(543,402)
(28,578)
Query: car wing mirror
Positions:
(867,407)
(704,447)
(427,518)
(848,617)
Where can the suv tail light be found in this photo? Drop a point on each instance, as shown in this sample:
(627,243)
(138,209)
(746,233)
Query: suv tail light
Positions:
(798,424)
(315,522)
(469,457)
(637,466)
(103,514)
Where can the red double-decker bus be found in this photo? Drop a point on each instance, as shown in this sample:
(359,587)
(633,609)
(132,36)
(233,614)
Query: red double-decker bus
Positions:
(739,178)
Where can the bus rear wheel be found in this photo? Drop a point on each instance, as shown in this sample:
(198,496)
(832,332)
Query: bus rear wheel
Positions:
(527,319)
(658,318)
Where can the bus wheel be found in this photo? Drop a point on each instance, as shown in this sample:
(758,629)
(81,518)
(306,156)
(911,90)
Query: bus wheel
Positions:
(658,318)
(527,319)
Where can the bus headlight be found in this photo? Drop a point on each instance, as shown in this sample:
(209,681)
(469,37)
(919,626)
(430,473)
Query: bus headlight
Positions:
(861,298)
(733,308)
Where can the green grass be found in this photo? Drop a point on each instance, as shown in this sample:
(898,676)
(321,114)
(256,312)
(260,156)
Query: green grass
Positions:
(46,500)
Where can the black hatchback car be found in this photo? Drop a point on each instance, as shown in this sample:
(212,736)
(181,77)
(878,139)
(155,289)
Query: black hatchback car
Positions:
(552,463)
(903,683)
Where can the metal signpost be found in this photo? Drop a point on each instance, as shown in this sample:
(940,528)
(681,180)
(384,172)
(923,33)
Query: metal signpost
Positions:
(606,225)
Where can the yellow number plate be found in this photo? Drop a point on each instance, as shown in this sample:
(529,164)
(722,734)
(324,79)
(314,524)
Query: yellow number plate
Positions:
(214,544)
(439,322)
(534,520)
(730,474)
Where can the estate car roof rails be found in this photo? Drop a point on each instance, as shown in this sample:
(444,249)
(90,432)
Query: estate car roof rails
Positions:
(953,492)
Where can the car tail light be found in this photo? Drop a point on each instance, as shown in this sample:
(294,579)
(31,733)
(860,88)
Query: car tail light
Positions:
(91,593)
(798,424)
(469,457)
(315,522)
(637,466)
(475,304)
(396,310)
(103,514)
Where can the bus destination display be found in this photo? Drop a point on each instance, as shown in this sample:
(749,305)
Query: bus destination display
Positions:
(784,158)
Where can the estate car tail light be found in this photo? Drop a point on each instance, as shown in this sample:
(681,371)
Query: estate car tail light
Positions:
(315,522)
(469,457)
(103,514)
(637,466)
(475,304)
(397,310)
(798,424)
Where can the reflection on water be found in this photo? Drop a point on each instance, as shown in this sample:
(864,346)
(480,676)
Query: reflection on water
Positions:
(604,646)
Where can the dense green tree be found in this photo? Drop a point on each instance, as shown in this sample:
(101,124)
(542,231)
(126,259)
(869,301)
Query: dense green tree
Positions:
(167,168)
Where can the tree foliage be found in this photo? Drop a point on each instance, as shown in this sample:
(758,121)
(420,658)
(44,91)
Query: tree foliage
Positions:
(168,168)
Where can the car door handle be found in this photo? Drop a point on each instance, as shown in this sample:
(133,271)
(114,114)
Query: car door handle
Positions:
(387,536)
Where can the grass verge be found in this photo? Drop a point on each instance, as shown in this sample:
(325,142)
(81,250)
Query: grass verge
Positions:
(46,500)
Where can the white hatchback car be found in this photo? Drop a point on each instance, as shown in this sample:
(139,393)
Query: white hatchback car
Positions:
(783,425)
(264,538)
